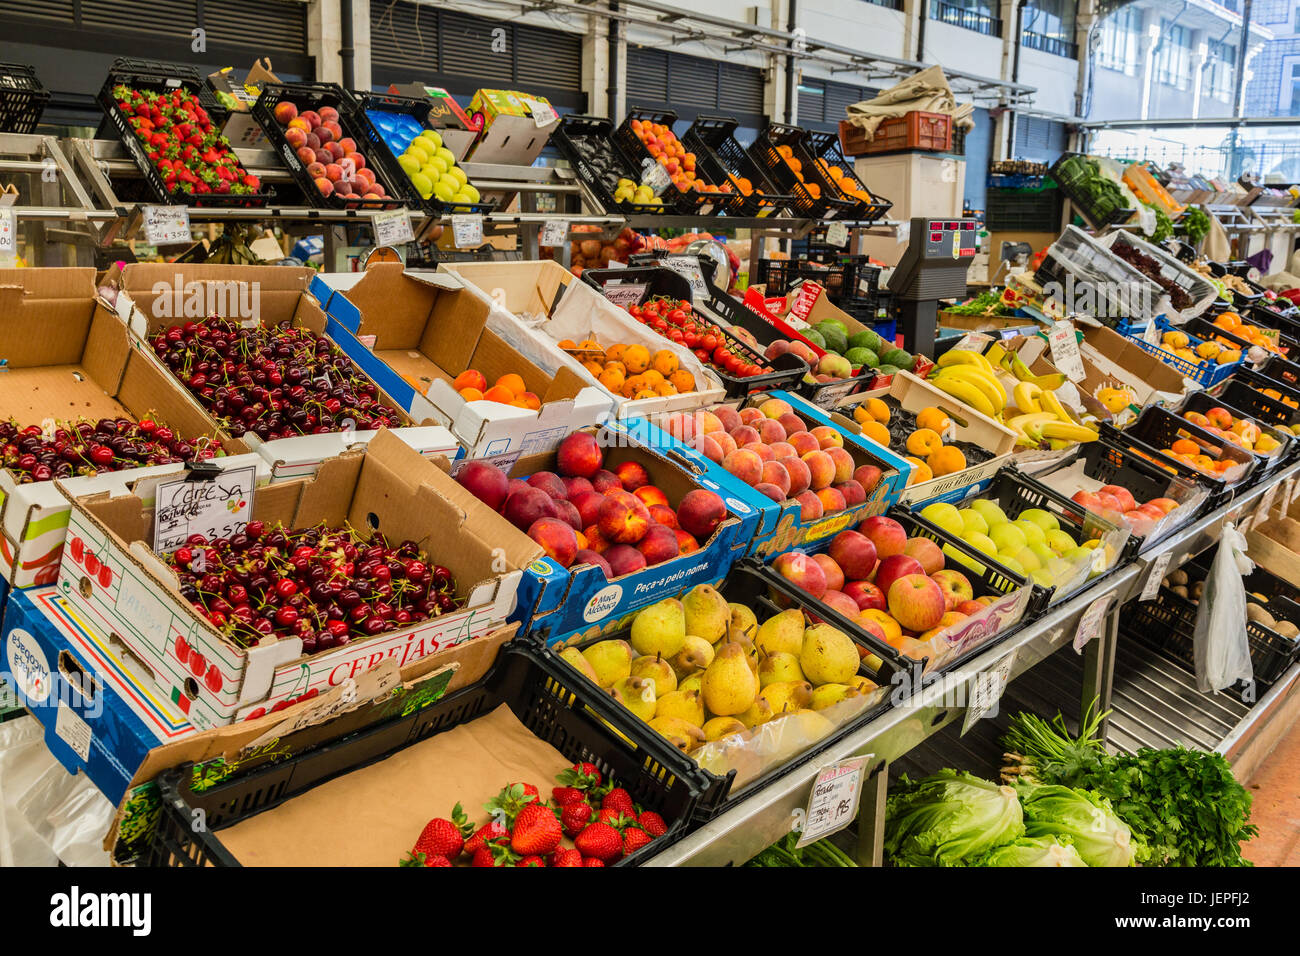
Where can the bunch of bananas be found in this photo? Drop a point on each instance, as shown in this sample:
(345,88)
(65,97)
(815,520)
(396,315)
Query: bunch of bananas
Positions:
(968,377)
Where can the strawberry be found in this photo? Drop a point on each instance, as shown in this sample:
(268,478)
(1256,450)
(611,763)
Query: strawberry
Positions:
(615,818)
(563,796)
(592,861)
(536,831)
(483,857)
(490,833)
(619,799)
(531,860)
(574,817)
(437,861)
(505,806)
(601,841)
(652,823)
(566,858)
(633,839)
(438,838)
(582,776)
(494,854)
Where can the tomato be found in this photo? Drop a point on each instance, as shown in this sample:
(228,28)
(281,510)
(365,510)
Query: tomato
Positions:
(702,355)
(634,310)
(684,304)
(659,325)
(676,317)
(676,336)
(720,354)
(691,338)
(709,341)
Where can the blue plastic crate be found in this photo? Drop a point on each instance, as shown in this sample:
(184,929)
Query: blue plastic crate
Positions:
(1205,372)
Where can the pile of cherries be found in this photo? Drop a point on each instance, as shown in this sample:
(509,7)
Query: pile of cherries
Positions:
(276,381)
(324,585)
(81,448)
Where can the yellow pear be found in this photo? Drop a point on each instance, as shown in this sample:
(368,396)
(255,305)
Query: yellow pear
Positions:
(637,695)
(743,623)
(695,682)
(695,655)
(682,734)
(573,657)
(720,727)
(828,655)
(707,613)
(611,660)
(777,668)
(729,684)
(759,712)
(786,696)
(686,704)
(660,629)
(781,633)
(861,684)
(828,695)
(655,669)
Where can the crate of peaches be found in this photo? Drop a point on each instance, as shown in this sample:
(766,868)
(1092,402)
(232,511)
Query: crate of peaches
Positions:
(1272,447)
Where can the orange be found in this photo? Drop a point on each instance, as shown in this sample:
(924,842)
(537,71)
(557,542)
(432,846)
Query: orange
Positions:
(893,630)
(471,394)
(637,359)
(589,344)
(498,393)
(683,380)
(593,367)
(616,367)
(567,344)
(933,418)
(652,378)
(924,441)
(1185,446)
(877,432)
(665,362)
(512,382)
(946,461)
(612,379)
(614,353)
(633,385)
(1228,320)
(878,410)
(470,378)
(813,190)
(666,388)
(645,393)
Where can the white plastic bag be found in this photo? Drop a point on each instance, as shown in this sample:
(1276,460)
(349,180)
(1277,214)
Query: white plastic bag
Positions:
(1222,653)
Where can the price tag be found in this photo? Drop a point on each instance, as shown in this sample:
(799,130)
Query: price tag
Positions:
(1159,565)
(503,462)
(1265,506)
(986,690)
(166,225)
(1065,350)
(837,234)
(689,268)
(554,232)
(393,227)
(216,508)
(467,231)
(8,233)
(625,294)
(368,341)
(543,113)
(1293,491)
(833,803)
(656,177)
(1090,624)
(974,342)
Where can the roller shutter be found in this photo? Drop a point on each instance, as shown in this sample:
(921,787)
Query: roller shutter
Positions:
(691,85)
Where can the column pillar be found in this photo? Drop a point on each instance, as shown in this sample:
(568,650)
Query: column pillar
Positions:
(325,37)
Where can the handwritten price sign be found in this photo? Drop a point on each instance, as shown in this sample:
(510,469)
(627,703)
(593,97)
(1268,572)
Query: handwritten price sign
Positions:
(216,508)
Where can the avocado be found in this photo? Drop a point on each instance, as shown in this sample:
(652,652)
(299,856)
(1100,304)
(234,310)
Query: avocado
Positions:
(886,369)
(896,357)
(833,334)
(813,336)
(862,356)
(865,339)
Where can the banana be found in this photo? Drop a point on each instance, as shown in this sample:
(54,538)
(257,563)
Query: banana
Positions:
(956,357)
(1070,432)
(985,382)
(1053,404)
(1021,422)
(1059,444)
(1049,383)
(1019,369)
(964,391)
(1026,395)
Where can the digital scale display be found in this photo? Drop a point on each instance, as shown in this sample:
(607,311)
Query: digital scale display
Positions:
(942,237)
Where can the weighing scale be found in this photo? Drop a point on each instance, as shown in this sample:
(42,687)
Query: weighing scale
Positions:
(939,252)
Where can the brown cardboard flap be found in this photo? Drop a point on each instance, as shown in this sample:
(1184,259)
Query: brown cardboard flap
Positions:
(30,395)
(44,315)
(172,294)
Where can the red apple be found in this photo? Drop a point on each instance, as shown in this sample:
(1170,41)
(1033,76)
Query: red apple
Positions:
(579,456)
(556,538)
(927,552)
(866,594)
(802,571)
(886,534)
(916,602)
(855,553)
(956,588)
(894,567)
(1122,496)
(833,572)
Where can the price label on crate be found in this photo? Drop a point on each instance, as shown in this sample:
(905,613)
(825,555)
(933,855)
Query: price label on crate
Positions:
(1090,624)
(8,233)
(543,113)
(837,234)
(625,294)
(554,232)
(1065,350)
(1159,565)
(974,342)
(833,803)
(467,231)
(503,462)
(986,690)
(1292,491)
(1265,506)
(215,507)
(688,267)
(393,227)
(166,225)
(656,177)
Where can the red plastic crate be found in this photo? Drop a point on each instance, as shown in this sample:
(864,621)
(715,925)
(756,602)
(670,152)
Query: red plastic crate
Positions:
(916,129)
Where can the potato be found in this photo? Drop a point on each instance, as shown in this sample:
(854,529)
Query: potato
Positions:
(1257,614)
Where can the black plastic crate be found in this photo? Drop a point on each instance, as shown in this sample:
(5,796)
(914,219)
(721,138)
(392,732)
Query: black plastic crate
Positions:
(825,147)
(765,151)
(688,202)
(1023,210)
(714,135)
(587,143)
(542,693)
(1245,390)
(1265,464)
(22,98)
(788,369)
(1069,173)
(164,77)
(378,151)
(312,96)
(1280,370)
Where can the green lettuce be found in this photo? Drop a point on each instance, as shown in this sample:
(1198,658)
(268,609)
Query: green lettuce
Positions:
(1043,851)
(949,819)
(1084,819)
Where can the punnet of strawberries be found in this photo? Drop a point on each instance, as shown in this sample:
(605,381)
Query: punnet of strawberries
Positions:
(587,821)
(675,320)
(274,381)
(190,154)
(83,447)
(327,586)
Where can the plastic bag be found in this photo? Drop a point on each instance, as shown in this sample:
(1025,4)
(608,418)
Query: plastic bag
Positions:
(1222,653)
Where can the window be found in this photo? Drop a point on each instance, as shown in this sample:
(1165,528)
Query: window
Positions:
(1173,56)
(1048,25)
(1220,70)
(978,15)
(1291,90)
(1118,49)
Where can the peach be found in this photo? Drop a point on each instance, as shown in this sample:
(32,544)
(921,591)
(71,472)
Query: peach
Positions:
(576,486)
(969,607)
(659,544)
(956,588)
(782,449)
(324,186)
(774,473)
(566,512)
(852,492)
(802,571)
(855,553)
(556,538)
(728,416)
(333,171)
(803,442)
(866,594)
(624,559)
(725,442)
(775,408)
(772,491)
(709,422)
(335,150)
(295,137)
(838,600)
(312,118)
(927,552)
(632,474)
(1164,504)
(761,450)
(525,507)
(916,602)
(745,465)
(485,482)
(549,482)
(827,437)
(744,435)
(623,518)
(800,476)
(710,449)
(683,427)
(843,462)
(810,506)
(579,456)
(1122,496)
(886,534)
(686,542)
(285,111)
(650,495)
(751,416)
(770,431)
(588,504)
(664,515)
(792,423)
(700,512)
(834,574)
(595,540)
(605,481)
(868,476)
(832,501)
(894,567)
(316,171)
(311,141)
(821,469)
(516,484)
(587,556)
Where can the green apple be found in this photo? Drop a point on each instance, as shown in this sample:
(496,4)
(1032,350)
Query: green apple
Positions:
(1044,519)
(1008,537)
(944,516)
(1060,569)
(1042,577)
(1033,533)
(1042,552)
(1060,542)
(1028,559)
(973,521)
(1012,565)
(981,542)
(955,555)
(990,510)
